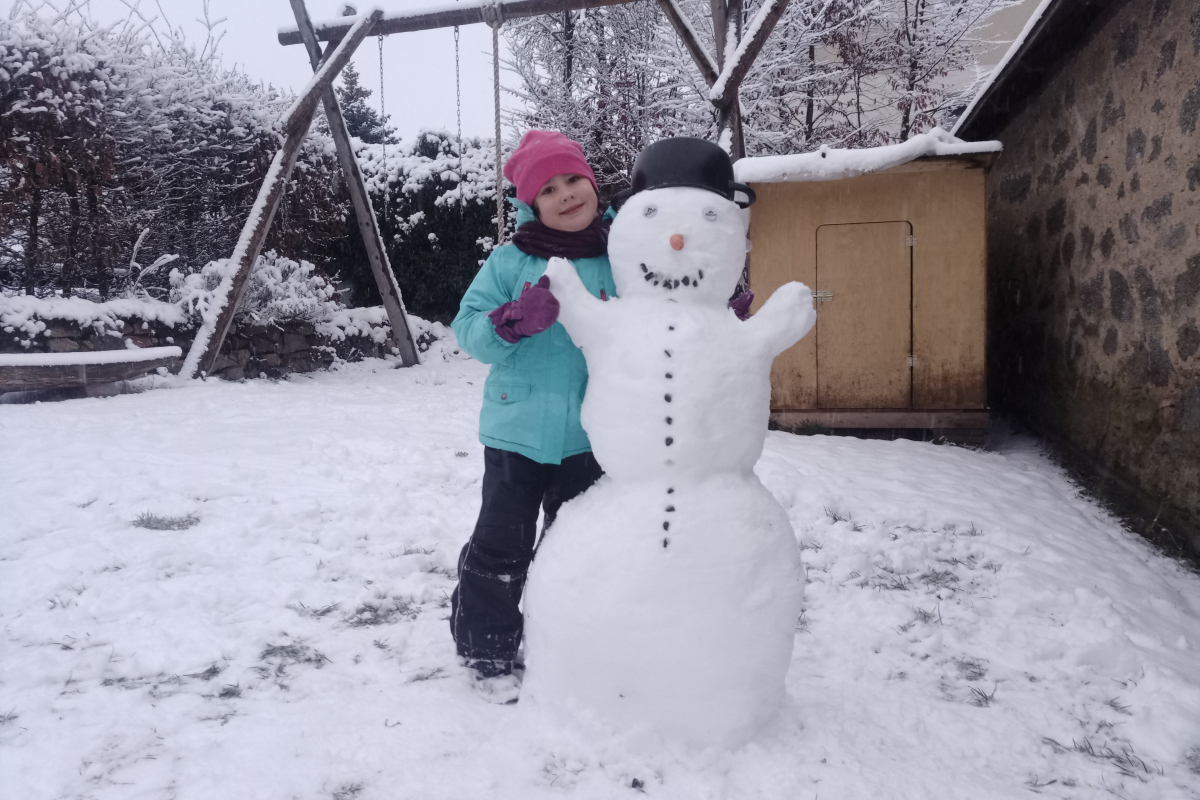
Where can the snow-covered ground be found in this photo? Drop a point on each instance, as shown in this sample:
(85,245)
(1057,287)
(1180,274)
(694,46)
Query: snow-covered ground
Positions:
(973,627)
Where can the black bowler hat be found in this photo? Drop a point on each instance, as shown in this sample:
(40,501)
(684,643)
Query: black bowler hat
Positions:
(685,161)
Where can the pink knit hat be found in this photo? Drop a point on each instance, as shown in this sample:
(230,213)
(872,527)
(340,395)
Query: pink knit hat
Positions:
(539,157)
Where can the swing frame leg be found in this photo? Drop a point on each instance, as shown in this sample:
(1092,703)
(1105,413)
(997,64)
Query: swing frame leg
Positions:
(206,347)
(364,213)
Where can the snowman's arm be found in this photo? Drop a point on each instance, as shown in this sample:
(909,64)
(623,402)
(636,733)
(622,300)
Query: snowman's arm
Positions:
(784,319)
(581,313)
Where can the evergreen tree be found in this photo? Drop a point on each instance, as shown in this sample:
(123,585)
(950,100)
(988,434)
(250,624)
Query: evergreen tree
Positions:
(363,121)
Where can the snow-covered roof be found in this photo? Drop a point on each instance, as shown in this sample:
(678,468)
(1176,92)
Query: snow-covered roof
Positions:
(830,163)
(1013,49)
(1053,35)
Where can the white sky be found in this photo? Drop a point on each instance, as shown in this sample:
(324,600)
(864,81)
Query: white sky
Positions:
(418,67)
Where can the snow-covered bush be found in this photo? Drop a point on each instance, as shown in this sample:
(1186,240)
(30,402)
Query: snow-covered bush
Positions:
(109,131)
(278,290)
(438,205)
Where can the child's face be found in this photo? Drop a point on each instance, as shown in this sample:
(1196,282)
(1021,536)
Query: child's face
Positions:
(566,202)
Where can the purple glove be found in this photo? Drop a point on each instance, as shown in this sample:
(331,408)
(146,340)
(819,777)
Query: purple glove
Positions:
(741,305)
(533,312)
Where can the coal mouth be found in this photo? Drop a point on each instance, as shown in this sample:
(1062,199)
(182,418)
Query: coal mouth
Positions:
(670,282)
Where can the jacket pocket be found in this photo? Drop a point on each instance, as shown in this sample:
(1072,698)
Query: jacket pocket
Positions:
(505,393)
(511,414)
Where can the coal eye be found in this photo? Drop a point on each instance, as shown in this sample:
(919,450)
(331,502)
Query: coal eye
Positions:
(650,211)
(710,214)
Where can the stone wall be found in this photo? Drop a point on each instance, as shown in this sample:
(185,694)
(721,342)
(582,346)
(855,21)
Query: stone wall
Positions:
(249,351)
(1094,255)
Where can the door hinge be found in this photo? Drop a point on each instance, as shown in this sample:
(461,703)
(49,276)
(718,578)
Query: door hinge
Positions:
(823,296)
(910,240)
(912,361)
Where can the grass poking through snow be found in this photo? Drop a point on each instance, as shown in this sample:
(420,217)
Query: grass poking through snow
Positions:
(156,522)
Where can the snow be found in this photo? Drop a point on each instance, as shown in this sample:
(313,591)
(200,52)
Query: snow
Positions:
(1016,45)
(828,163)
(666,600)
(687,24)
(412,9)
(732,59)
(96,357)
(143,663)
(403,168)
(26,314)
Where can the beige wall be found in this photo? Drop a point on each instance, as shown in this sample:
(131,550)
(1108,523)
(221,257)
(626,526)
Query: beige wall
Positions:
(943,200)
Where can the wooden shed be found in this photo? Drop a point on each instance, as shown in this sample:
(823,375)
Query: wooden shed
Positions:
(891,241)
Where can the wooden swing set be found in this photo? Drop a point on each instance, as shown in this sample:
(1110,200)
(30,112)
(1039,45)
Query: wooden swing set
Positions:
(343,36)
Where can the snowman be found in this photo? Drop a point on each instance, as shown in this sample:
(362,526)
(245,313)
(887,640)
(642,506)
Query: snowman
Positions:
(665,598)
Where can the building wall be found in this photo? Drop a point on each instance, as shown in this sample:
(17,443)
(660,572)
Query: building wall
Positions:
(942,200)
(1094,254)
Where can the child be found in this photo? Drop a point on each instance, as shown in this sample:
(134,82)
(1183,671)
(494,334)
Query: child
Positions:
(536,452)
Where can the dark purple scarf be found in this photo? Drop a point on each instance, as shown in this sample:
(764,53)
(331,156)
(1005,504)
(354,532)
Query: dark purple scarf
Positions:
(542,241)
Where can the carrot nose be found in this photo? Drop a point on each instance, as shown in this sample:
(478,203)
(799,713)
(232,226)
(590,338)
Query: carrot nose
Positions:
(677,241)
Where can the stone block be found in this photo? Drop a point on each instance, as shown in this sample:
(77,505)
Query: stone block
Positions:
(224,361)
(271,360)
(61,330)
(294,343)
(63,345)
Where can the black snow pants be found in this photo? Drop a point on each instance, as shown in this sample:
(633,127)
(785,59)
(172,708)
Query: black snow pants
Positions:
(484,616)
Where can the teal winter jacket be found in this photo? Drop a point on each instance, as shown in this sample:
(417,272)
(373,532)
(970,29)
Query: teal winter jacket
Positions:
(533,392)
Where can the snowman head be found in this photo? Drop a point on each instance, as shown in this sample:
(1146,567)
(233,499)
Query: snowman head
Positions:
(682,243)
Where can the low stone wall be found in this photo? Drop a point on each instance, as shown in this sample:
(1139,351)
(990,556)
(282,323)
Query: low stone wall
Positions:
(249,351)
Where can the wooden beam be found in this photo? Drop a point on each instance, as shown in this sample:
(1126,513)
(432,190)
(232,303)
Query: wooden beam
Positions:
(884,418)
(691,41)
(732,74)
(729,115)
(718,10)
(364,213)
(207,345)
(449,15)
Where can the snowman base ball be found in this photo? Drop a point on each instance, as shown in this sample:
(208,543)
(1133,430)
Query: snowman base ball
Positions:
(685,632)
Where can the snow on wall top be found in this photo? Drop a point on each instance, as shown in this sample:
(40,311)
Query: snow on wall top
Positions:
(129,355)
(830,163)
(24,313)
(1003,64)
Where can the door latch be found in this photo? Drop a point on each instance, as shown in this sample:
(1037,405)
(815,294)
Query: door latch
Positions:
(823,296)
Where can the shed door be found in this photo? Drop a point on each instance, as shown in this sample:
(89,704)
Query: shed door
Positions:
(864,315)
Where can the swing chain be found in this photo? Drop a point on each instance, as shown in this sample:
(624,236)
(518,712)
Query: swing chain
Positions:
(496,96)
(458,111)
(457,89)
(387,193)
